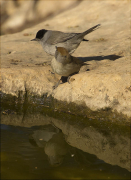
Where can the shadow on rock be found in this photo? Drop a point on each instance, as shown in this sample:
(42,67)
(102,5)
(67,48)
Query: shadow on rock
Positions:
(112,57)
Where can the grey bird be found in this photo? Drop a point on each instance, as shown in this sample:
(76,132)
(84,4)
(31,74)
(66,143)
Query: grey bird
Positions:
(70,41)
(64,64)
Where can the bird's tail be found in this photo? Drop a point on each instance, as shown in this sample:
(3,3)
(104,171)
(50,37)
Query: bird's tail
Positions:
(90,30)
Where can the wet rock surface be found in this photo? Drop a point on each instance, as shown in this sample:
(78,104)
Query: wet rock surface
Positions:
(105,83)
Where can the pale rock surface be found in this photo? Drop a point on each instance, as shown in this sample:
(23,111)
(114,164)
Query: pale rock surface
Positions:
(106,84)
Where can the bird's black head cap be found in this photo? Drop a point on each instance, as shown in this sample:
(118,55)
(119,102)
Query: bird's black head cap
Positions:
(40,33)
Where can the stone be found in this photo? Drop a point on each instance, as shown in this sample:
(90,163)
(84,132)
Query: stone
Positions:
(106,81)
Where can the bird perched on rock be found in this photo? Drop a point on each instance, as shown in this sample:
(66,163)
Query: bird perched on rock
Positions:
(70,41)
(64,64)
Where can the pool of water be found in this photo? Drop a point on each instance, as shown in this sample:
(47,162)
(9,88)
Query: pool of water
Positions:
(41,152)
(39,143)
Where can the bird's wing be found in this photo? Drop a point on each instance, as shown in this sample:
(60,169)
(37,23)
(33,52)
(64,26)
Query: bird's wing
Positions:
(77,61)
(59,37)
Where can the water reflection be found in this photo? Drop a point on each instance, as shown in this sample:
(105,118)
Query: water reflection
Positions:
(53,142)
(63,147)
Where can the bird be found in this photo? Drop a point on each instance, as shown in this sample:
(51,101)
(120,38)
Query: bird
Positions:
(65,64)
(70,41)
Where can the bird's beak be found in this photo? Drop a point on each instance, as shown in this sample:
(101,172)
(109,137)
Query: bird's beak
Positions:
(34,39)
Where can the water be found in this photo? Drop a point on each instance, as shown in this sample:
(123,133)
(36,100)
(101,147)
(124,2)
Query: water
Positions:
(23,156)
(39,143)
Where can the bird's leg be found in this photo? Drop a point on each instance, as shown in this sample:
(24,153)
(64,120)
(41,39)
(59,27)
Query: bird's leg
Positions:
(57,84)
(68,79)
(63,79)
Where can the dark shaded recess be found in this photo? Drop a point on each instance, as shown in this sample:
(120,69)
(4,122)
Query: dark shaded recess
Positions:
(76,115)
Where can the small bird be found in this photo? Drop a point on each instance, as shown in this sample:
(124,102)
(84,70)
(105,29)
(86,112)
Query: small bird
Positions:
(64,64)
(70,41)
